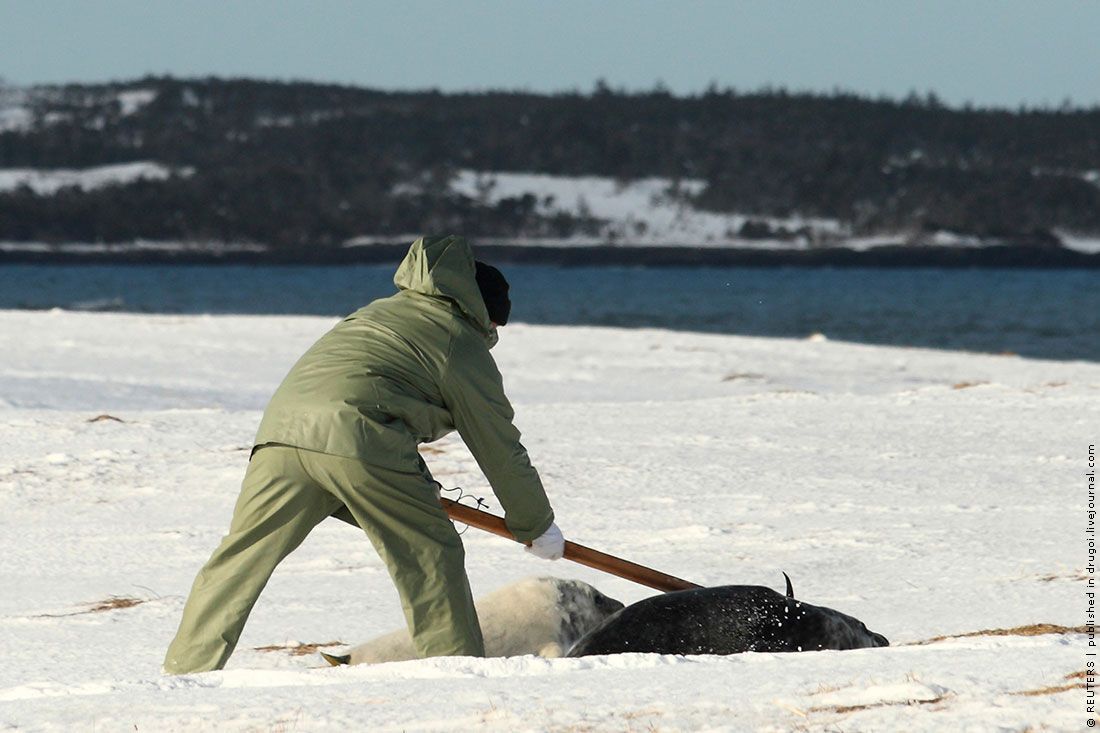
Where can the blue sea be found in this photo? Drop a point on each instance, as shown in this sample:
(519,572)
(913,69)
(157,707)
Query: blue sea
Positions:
(1052,314)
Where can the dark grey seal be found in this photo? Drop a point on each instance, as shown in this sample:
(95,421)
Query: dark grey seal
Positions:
(729,619)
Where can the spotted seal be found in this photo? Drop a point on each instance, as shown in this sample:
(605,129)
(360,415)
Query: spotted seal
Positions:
(543,616)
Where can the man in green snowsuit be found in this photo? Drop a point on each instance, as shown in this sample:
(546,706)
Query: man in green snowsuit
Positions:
(340,437)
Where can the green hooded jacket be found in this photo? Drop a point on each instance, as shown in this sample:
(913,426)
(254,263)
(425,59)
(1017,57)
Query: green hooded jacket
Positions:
(409,369)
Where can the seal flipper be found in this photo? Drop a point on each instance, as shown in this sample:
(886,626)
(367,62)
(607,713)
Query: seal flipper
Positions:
(335,660)
(790,590)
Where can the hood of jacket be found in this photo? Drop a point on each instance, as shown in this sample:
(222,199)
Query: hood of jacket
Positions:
(443,267)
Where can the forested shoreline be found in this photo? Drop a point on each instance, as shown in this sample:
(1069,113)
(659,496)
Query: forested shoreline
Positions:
(301,168)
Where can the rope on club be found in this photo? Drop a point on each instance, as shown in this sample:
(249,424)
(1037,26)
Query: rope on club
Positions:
(481,503)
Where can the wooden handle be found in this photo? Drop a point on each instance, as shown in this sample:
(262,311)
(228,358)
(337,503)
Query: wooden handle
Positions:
(577,553)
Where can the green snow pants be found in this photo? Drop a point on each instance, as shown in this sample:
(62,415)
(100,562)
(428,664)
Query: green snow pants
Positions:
(286,493)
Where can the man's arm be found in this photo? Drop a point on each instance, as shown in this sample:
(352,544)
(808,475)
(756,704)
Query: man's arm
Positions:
(473,391)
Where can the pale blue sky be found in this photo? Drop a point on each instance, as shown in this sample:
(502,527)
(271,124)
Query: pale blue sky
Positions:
(990,52)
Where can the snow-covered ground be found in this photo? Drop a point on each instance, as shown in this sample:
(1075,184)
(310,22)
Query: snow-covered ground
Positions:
(1088,245)
(19,105)
(659,212)
(927,493)
(46,182)
(647,212)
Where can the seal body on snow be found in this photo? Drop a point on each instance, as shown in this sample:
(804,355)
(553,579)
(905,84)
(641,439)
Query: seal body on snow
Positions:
(543,616)
(726,620)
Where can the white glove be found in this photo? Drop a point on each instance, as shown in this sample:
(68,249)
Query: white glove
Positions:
(549,545)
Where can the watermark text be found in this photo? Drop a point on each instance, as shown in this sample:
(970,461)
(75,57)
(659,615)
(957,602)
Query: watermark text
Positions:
(1090,588)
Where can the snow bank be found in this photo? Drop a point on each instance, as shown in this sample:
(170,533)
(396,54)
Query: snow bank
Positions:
(1088,245)
(132,100)
(642,212)
(15,119)
(49,181)
(928,493)
(15,111)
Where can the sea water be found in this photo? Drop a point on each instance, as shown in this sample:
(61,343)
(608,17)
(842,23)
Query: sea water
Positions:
(1051,314)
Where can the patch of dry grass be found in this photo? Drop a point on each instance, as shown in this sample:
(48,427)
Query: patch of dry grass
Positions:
(1055,689)
(967,385)
(105,418)
(741,375)
(867,706)
(1029,630)
(635,714)
(1077,575)
(113,603)
(298,650)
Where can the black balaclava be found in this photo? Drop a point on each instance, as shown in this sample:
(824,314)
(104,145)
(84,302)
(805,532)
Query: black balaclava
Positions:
(494,291)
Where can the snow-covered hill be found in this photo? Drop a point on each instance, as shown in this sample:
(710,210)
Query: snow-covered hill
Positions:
(928,493)
(645,212)
(660,212)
